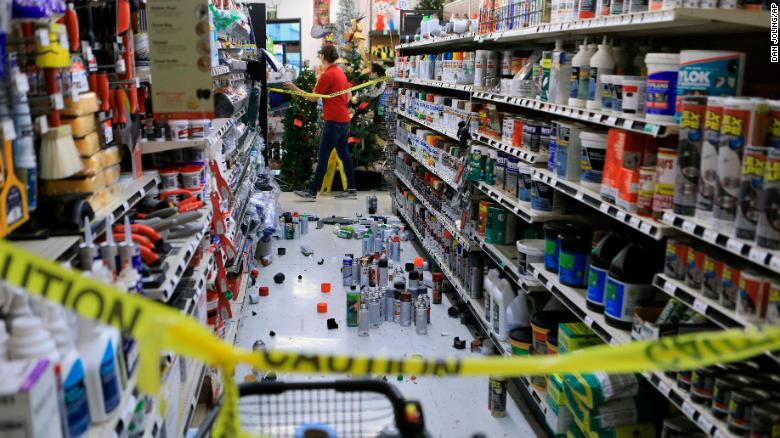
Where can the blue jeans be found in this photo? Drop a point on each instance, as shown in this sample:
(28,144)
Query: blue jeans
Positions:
(334,134)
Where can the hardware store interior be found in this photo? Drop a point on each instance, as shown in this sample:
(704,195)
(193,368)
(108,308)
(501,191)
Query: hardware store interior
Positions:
(390,218)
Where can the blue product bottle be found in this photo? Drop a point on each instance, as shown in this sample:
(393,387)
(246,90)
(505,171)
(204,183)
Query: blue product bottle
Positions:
(628,285)
(574,257)
(600,259)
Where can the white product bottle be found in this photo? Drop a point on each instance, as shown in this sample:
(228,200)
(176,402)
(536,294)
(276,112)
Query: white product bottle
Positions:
(560,75)
(100,368)
(502,296)
(600,64)
(76,402)
(30,340)
(517,314)
(480,69)
(487,287)
(579,76)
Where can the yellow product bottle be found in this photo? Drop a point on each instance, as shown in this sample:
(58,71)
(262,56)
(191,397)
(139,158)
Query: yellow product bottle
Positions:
(13,198)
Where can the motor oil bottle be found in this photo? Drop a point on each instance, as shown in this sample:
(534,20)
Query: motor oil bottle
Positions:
(628,284)
(600,260)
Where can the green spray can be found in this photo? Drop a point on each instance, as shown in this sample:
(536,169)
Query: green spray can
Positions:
(353,306)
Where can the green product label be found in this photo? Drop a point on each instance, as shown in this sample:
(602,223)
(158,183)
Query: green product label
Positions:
(353,305)
(549,247)
(566,260)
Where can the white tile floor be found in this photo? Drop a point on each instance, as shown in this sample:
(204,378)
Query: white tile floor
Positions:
(453,407)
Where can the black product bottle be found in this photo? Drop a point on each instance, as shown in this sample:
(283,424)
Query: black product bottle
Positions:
(628,285)
(600,259)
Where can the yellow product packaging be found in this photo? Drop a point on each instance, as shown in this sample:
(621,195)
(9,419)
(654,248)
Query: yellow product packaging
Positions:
(558,418)
(594,389)
(87,103)
(110,156)
(99,199)
(573,336)
(68,186)
(110,175)
(555,386)
(614,414)
(81,126)
(88,145)
(92,165)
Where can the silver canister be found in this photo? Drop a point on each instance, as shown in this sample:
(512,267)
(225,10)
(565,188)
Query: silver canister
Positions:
(421,317)
(374,310)
(363,320)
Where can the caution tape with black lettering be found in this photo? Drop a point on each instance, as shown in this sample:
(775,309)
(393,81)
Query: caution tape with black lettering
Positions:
(158,328)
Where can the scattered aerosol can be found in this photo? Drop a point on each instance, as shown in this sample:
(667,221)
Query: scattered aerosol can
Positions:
(346,270)
(383,271)
(371,204)
(395,249)
(365,271)
(497,396)
(389,303)
(368,243)
(363,320)
(421,316)
(353,306)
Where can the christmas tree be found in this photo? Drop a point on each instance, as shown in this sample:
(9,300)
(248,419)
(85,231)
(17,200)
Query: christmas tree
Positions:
(301,135)
(364,128)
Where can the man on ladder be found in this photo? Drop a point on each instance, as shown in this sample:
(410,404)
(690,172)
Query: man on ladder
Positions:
(335,112)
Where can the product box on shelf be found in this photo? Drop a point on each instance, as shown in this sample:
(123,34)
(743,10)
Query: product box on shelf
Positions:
(644,326)
(27,407)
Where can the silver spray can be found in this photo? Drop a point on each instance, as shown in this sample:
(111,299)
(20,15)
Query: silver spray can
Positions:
(383,272)
(304,224)
(379,242)
(368,243)
(374,316)
(421,317)
(475,276)
(389,304)
(406,309)
(346,270)
(363,320)
(395,249)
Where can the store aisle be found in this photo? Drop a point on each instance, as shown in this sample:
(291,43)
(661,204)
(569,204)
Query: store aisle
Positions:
(453,407)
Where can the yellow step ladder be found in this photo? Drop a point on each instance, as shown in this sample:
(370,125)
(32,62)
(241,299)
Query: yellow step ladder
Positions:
(334,164)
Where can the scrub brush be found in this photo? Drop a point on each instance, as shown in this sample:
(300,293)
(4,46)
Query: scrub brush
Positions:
(59,155)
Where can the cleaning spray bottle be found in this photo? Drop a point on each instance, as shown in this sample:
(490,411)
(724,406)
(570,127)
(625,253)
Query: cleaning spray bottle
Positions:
(560,75)
(76,408)
(600,64)
(579,76)
(100,368)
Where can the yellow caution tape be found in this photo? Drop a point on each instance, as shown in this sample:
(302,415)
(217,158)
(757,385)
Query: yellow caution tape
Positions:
(158,328)
(328,96)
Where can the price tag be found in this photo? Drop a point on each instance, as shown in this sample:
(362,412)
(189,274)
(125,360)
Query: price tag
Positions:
(21,84)
(757,255)
(700,306)
(612,120)
(628,124)
(549,285)
(125,206)
(42,37)
(9,132)
(646,227)
(589,321)
(142,192)
(664,388)
(670,287)
(621,215)
(604,207)
(710,236)
(688,227)
(652,129)
(634,221)
(705,424)
(688,409)
(735,246)
(57,102)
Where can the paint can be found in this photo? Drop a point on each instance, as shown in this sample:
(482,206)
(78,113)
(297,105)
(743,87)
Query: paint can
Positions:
(593,152)
(712,276)
(551,245)
(768,228)
(497,396)
(743,400)
(664,185)
(686,180)
(729,286)
(529,251)
(751,185)
(644,199)
(752,296)
(743,124)
(694,272)
(708,168)
(676,257)
(521,340)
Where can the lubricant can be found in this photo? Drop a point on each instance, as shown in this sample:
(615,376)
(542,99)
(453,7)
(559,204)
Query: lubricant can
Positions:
(497,396)
(346,270)
(365,271)
(363,320)
(420,317)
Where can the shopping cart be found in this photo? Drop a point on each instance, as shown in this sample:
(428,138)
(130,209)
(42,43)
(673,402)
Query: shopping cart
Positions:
(341,408)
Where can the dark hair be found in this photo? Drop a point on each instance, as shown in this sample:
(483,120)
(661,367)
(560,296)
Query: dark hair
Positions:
(329,53)
(378,69)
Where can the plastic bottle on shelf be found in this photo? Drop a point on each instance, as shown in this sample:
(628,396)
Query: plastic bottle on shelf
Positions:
(76,403)
(96,346)
(517,314)
(560,75)
(628,285)
(505,294)
(601,63)
(600,259)
(487,287)
(579,76)
(30,340)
